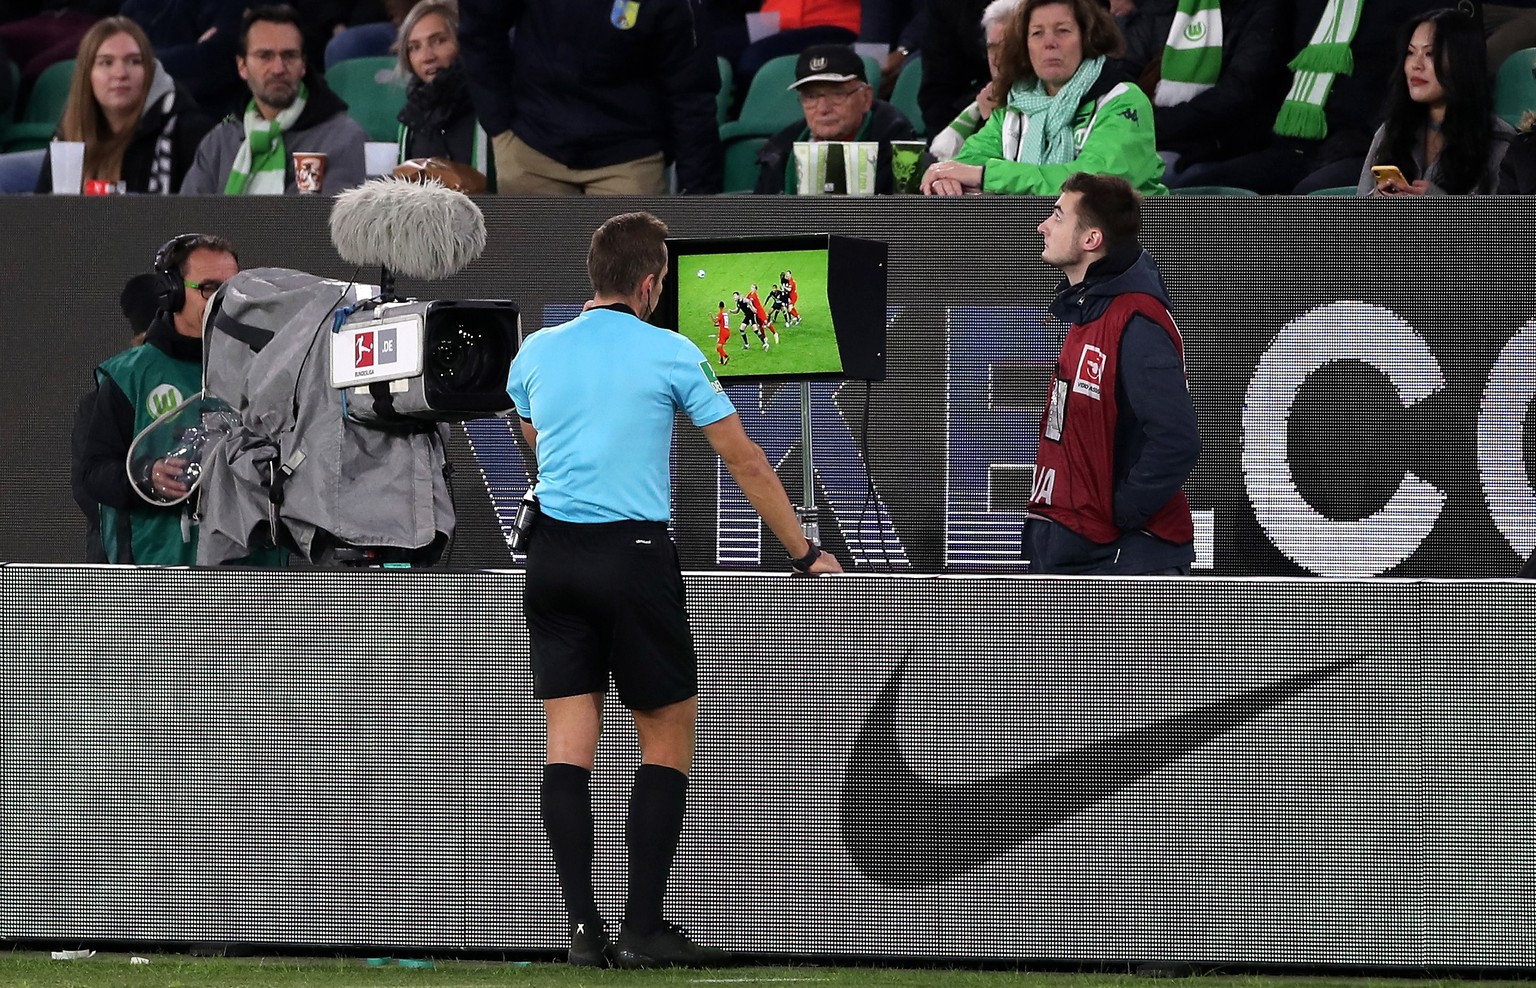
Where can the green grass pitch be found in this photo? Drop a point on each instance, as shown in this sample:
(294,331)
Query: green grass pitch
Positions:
(808,348)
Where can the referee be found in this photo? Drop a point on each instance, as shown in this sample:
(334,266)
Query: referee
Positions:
(604,593)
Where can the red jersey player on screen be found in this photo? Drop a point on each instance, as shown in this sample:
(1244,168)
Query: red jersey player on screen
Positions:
(788,280)
(762,313)
(722,334)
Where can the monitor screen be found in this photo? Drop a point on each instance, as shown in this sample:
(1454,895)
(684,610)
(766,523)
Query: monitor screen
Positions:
(766,307)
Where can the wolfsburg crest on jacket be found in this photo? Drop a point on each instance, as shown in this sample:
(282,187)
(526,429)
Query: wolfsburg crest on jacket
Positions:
(297,462)
(624,14)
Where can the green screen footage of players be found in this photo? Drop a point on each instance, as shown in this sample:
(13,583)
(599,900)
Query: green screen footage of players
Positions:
(807,347)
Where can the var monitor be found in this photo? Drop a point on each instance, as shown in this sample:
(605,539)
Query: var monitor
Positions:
(780,308)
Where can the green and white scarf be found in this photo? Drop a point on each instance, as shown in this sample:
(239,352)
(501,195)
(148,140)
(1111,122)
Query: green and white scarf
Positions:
(1048,138)
(1325,56)
(1192,54)
(261,164)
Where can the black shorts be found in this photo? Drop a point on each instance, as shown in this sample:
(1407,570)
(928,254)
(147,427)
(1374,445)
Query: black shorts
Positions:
(607,599)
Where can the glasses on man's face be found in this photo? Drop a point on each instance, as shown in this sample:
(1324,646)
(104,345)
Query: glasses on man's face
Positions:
(836,97)
(206,288)
(266,56)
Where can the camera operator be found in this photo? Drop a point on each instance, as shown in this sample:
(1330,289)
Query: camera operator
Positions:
(604,595)
(138,386)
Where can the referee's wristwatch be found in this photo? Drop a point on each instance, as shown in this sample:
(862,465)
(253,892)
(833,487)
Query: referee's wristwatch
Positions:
(804,563)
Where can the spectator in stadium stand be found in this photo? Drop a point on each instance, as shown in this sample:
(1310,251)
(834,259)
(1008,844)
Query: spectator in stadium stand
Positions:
(289,112)
(1067,110)
(839,105)
(439,136)
(360,29)
(1214,74)
(994,22)
(140,128)
(955,65)
(196,42)
(898,25)
(1510,26)
(592,97)
(1441,132)
(1337,84)
(39,35)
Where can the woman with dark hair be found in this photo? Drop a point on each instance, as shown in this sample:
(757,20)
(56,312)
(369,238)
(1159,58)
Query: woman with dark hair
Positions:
(439,135)
(140,129)
(1440,133)
(1063,110)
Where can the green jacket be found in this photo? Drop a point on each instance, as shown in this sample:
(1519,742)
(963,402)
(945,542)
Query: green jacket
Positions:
(1114,135)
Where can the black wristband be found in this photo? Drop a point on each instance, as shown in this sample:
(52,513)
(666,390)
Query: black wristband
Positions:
(805,562)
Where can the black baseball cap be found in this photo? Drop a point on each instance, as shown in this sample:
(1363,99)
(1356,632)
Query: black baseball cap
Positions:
(828,63)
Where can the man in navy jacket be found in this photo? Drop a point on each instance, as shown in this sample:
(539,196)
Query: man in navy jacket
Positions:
(593,97)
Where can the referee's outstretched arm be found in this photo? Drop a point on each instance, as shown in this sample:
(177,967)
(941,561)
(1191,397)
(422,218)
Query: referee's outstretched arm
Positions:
(748,464)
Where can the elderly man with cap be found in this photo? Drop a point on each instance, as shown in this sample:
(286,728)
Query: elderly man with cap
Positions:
(839,105)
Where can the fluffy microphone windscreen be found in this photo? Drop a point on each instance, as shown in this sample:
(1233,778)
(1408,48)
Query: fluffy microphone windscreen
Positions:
(415,229)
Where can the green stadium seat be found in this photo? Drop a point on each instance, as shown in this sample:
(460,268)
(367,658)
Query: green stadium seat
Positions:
(1213,190)
(373,93)
(1337,190)
(904,96)
(1514,89)
(741,163)
(36,125)
(770,105)
(723,97)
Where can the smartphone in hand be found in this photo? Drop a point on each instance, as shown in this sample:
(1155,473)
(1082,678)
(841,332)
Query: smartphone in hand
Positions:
(1389,173)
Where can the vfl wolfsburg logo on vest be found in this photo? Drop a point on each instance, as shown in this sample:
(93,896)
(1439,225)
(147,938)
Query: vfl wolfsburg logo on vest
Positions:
(162,400)
(624,14)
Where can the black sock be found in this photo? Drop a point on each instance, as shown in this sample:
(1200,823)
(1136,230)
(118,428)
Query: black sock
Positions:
(654,824)
(565,804)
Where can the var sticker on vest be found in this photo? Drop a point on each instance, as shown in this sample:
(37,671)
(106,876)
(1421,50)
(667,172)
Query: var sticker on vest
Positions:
(1090,372)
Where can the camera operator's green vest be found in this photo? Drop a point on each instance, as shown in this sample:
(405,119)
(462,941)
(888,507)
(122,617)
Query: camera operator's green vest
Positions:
(154,384)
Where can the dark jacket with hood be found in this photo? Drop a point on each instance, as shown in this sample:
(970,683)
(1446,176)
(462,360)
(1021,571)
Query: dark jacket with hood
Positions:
(164,143)
(1157,437)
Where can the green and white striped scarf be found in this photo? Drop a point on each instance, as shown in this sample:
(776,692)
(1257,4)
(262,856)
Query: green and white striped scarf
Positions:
(1192,54)
(1325,56)
(261,164)
(1048,136)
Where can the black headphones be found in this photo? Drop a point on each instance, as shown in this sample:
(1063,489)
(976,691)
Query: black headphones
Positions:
(170,289)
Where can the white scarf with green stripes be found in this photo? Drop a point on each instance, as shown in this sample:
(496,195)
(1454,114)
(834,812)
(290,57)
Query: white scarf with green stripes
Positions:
(1192,55)
(1325,56)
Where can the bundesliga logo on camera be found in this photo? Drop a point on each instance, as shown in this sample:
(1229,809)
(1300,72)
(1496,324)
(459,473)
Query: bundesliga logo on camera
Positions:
(374,347)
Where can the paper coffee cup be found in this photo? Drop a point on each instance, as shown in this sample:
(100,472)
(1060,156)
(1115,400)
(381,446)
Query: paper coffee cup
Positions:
(309,171)
(906,167)
(68,161)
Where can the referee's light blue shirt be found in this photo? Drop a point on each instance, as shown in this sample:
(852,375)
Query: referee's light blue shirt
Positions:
(603,391)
